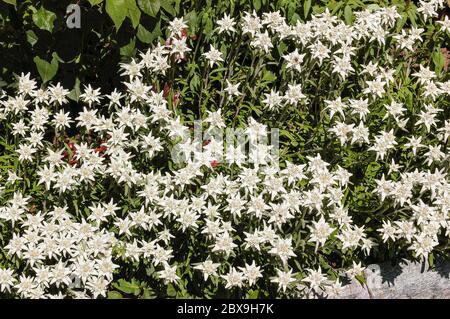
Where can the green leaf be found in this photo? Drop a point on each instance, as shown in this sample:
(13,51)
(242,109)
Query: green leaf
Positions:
(95,2)
(257,4)
(146,36)
(171,292)
(13,2)
(361,279)
(143,34)
(127,50)
(76,91)
(252,294)
(282,47)
(44,19)
(134,13)
(127,287)
(412,16)
(438,60)
(114,295)
(150,7)
(401,22)
(372,7)
(169,7)
(194,83)
(269,76)
(148,294)
(335,8)
(348,14)
(431,259)
(117,10)
(192,19)
(46,70)
(306,8)
(295,17)
(32,37)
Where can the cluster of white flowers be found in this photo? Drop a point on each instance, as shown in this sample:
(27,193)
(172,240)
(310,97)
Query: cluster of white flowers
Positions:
(76,208)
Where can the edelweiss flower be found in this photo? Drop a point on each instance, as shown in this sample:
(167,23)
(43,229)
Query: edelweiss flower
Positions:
(213,56)
(226,24)
(283,279)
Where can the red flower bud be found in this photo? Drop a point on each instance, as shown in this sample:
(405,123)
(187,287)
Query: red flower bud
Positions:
(214,164)
(175,98)
(206,142)
(73,162)
(166,90)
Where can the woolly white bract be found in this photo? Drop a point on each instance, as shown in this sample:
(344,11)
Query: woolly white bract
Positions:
(110,204)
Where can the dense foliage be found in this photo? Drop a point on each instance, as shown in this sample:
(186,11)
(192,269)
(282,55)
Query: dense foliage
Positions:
(95,203)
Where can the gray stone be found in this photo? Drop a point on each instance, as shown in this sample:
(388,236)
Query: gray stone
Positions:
(404,281)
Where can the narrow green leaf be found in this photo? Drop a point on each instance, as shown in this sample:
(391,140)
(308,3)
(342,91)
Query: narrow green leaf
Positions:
(194,83)
(348,14)
(13,2)
(257,4)
(438,60)
(306,8)
(431,260)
